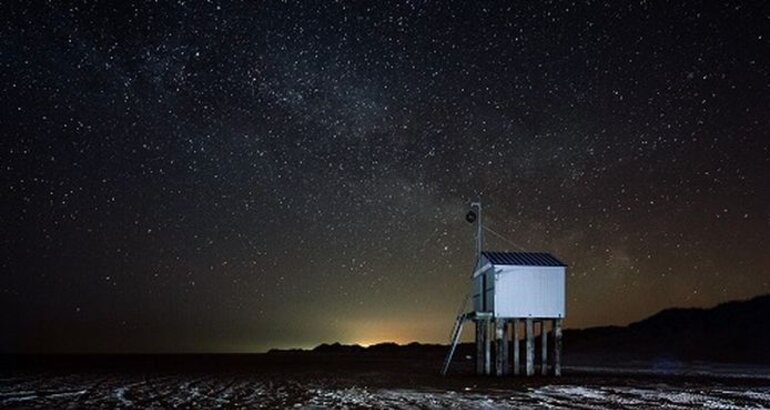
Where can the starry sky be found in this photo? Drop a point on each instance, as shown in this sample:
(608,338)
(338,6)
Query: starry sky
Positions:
(234,176)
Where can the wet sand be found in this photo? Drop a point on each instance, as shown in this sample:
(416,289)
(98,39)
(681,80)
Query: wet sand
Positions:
(355,380)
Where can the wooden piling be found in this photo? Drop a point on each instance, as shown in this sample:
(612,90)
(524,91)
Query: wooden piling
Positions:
(479,346)
(502,366)
(516,348)
(530,335)
(487,347)
(557,347)
(498,345)
(506,347)
(543,348)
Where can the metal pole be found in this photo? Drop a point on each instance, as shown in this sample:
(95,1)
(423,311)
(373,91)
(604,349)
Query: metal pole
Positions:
(480,234)
(479,230)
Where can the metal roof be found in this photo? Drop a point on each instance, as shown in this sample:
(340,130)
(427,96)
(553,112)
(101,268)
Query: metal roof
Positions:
(523,258)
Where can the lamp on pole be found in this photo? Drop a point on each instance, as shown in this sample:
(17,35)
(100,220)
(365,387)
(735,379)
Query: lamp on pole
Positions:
(475,216)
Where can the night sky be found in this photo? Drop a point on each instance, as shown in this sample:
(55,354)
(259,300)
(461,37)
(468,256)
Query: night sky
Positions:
(231,177)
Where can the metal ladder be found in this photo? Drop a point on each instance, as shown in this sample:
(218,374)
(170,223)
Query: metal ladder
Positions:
(456,332)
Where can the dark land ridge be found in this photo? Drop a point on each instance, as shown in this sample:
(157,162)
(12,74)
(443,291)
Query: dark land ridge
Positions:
(732,332)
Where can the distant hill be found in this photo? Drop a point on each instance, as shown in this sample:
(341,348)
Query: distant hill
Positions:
(733,332)
(386,347)
(737,332)
(338,348)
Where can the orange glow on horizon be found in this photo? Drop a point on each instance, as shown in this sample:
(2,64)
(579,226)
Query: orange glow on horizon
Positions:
(371,332)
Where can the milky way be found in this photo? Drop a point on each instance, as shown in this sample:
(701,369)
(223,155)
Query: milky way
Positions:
(204,176)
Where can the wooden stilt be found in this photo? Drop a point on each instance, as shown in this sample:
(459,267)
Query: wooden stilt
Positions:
(516,349)
(505,349)
(501,344)
(557,347)
(530,335)
(487,347)
(479,346)
(543,348)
